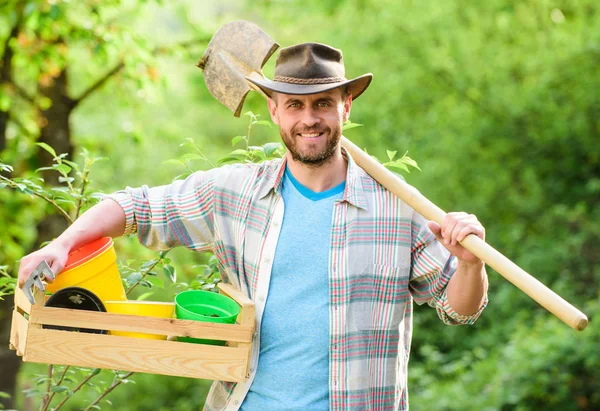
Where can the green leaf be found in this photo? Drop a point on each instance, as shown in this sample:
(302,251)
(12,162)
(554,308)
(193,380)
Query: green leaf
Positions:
(72,164)
(47,148)
(59,388)
(62,168)
(170,272)
(409,161)
(162,254)
(264,123)
(62,179)
(133,278)
(349,125)
(145,295)
(271,148)
(149,264)
(237,139)
(391,154)
(398,165)
(156,282)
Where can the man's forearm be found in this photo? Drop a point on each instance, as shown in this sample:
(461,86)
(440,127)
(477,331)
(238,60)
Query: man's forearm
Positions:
(105,219)
(467,288)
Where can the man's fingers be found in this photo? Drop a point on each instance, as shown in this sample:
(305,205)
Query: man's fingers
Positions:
(476,229)
(435,229)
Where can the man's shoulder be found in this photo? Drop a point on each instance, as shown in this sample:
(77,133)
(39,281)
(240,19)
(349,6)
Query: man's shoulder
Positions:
(376,194)
(236,176)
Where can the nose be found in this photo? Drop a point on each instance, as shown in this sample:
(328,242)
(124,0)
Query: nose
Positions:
(310,118)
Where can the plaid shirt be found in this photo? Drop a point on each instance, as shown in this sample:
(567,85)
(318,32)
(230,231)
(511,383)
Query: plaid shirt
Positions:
(382,257)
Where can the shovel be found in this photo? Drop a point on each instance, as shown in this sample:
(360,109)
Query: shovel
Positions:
(240,49)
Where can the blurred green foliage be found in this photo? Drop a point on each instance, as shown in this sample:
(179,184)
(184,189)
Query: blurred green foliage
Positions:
(497,101)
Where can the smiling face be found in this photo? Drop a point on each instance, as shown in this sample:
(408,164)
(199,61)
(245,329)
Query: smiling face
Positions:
(311,125)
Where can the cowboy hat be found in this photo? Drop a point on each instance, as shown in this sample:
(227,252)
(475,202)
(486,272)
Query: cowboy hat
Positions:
(311,68)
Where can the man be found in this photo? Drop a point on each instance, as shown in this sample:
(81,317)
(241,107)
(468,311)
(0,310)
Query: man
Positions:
(332,260)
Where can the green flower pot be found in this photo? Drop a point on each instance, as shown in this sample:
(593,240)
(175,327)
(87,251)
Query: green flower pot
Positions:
(199,305)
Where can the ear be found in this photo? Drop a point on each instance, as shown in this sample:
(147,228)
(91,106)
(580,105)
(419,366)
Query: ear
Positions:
(347,107)
(273,110)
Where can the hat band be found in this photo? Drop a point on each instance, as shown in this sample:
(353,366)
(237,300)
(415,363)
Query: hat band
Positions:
(324,80)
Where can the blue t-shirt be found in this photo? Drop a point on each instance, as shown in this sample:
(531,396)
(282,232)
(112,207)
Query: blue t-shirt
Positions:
(293,365)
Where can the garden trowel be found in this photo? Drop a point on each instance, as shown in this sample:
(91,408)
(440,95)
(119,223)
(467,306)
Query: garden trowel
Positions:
(35,279)
(237,49)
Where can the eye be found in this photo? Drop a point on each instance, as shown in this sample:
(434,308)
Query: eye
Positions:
(294,105)
(323,104)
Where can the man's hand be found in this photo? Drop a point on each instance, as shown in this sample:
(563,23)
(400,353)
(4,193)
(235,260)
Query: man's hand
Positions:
(55,255)
(454,228)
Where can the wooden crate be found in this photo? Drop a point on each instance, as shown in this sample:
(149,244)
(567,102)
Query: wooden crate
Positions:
(225,363)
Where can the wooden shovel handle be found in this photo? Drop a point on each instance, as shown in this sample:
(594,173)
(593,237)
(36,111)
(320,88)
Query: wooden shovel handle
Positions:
(509,270)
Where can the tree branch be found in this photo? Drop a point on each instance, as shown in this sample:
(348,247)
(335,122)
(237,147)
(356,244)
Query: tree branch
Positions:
(99,83)
(61,210)
(23,93)
(117,68)
(105,393)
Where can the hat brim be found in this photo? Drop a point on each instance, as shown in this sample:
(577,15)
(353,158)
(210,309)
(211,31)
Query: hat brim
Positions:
(355,86)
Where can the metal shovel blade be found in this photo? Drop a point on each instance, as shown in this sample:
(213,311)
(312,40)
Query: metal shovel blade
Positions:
(237,49)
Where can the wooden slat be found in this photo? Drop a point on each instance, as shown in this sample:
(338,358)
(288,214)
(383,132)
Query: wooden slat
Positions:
(139,355)
(18,333)
(232,292)
(131,323)
(12,341)
(246,317)
(21,301)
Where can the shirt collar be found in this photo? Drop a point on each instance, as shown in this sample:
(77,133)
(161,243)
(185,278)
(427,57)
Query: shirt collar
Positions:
(353,193)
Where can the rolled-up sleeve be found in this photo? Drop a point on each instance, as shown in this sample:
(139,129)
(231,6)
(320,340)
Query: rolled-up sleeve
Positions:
(178,214)
(431,269)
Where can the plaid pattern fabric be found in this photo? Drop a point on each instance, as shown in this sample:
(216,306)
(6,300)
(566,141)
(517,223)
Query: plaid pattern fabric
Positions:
(382,257)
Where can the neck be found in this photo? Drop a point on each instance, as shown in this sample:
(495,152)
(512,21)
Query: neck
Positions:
(320,177)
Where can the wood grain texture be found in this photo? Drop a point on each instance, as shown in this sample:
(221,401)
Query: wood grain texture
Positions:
(21,301)
(18,333)
(246,317)
(133,323)
(138,355)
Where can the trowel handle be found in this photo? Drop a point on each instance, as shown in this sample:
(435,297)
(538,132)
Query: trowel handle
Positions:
(509,270)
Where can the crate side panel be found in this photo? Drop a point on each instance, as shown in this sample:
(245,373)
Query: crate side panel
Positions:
(132,323)
(21,301)
(136,354)
(18,333)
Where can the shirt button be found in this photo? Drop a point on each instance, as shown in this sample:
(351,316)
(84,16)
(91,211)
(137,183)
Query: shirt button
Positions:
(267,260)
(262,298)
(236,402)
(276,223)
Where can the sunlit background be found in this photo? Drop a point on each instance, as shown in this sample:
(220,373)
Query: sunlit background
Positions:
(497,101)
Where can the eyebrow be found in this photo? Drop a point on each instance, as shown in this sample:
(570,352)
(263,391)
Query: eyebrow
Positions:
(292,100)
(322,99)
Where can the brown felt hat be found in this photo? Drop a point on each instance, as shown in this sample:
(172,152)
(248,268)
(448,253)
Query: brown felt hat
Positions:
(311,68)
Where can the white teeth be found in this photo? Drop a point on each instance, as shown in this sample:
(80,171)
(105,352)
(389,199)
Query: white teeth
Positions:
(310,135)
